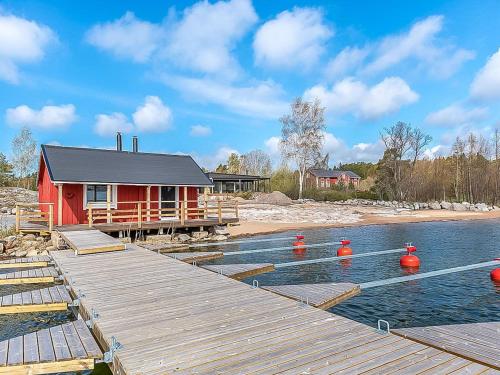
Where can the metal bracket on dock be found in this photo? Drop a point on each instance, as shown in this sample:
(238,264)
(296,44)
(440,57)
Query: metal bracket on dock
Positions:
(379,328)
(304,302)
(255,284)
(75,303)
(195,263)
(115,345)
(93,317)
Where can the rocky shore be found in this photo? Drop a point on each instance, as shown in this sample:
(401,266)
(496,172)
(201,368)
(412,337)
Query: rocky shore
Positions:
(443,205)
(26,245)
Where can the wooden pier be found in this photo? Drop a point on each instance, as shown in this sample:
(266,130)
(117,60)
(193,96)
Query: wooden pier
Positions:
(90,241)
(66,347)
(39,275)
(322,296)
(240,271)
(172,317)
(55,298)
(28,262)
(479,342)
(196,256)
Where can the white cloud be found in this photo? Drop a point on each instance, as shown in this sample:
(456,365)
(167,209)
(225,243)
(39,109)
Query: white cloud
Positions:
(438,150)
(152,116)
(21,41)
(293,38)
(205,35)
(259,100)
(127,37)
(107,125)
(211,161)
(420,43)
(455,115)
(352,96)
(48,117)
(349,59)
(273,146)
(486,84)
(200,131)
(340,152)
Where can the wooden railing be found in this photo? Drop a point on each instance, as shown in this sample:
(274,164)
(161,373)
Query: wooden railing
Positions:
(31,213)
(143,211)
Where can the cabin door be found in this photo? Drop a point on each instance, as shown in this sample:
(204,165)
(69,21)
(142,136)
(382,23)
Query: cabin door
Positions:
(169,198)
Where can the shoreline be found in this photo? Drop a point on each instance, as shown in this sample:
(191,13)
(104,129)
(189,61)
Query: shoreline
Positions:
(252,228)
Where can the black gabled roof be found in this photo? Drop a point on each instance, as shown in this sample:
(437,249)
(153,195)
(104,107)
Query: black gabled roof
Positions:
(72,164)
(216,176)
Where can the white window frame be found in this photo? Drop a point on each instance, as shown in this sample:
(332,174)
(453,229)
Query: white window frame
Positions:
(114,198)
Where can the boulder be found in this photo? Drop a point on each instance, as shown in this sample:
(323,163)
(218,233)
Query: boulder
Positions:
(416,206)
(49,248)
(32,253)
(434,206)
(45,252)
(199,235)
(221,231)
(458,207)
(445,205)
(2,247)
(20,253)
(181,237)
(219,237)
(5,210)
(29,237)
(159,238)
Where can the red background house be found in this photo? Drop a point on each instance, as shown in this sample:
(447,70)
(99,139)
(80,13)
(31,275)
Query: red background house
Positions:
(326,178)
(74,179)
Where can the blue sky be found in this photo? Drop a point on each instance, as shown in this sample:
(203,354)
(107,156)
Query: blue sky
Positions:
(209,78)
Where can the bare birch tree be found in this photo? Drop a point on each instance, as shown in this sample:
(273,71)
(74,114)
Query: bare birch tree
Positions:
(24,155)
(302,136)
(256,162)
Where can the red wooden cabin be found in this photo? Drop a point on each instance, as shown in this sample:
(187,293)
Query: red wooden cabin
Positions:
(128,186)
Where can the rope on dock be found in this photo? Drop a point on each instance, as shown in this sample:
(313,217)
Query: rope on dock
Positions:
(280,248)
(424,275)
(332,259)
(223,243)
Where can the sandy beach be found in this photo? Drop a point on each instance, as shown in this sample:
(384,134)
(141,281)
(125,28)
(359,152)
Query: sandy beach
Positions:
(271,219)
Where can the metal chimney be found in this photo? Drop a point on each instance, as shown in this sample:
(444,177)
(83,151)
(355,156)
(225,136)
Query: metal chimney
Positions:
(135,144)
(119,146)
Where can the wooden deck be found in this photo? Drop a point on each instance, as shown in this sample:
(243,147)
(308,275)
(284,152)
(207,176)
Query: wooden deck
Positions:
(172,317)
(28,262)
(91,241)
(55,298)
(322,296)
(479,342)
(240,271)
(39,275)
(196,256)
(66,347)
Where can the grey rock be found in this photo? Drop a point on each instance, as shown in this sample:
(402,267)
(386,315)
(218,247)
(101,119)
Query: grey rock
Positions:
(45,252)
(183,237)
(445,205)
(49,248)
(29,237)
(221,231)
(20,253)
(219,237)
(416,206)
(458,207)
(199,235)
(2,247)
(159,238)
(434,206)
(32,253)
(5,210)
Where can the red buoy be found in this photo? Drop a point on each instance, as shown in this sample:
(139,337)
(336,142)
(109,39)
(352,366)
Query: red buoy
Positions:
(344,251)
(299,237)
(495,275)
(409,260)
(345,242)
(299,244)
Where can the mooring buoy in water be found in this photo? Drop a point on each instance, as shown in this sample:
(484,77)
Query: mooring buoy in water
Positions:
(495,274)
(409,260)
(344,249)
(300,244)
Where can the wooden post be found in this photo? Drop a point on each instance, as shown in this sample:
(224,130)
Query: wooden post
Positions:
(18,218)
(185,202)
(182,213)
(139,215)
(108,203)
(59,204)
(236,211)
(219,211)
(51,217)
(148,203)
(90,218)
(205,209)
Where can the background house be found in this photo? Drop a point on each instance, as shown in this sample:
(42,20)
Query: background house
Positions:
(234,183)
(326,178)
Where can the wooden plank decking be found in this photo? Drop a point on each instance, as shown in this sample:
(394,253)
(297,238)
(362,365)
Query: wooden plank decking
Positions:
(240,271)
(91,241)
(172,317)
(55,298)
(479,342)
(196,256)
(322,296)
(66,347)
(38,275)
(28,262)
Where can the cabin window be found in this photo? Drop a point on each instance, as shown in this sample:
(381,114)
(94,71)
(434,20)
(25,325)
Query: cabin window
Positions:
(96,193)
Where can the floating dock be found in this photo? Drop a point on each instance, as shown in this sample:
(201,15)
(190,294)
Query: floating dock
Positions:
(196,256)
(28,262)
(91,241)
(66,347)
(55,298)
(39,275)
(479,342)
(171,317)
(240,271)
(322,296)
